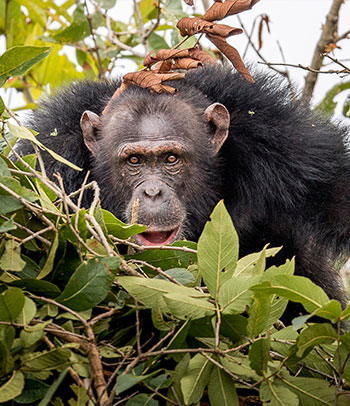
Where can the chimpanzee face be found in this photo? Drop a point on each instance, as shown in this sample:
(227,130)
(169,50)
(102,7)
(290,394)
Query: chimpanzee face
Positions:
(154,158)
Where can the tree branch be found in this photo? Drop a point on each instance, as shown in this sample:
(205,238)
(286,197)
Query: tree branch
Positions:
(329,35)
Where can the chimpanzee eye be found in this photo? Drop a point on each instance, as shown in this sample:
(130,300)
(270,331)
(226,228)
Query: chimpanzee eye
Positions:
(134,160)
(171,159)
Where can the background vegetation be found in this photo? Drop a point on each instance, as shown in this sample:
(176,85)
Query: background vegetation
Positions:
(82,321)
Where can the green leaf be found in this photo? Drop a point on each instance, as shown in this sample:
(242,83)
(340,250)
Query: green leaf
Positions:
(156,42)
(18,60)
(151,292)
(77,30)
(41,363)
(25,134)
(275,394)
(221,389)
(90,283)
(331,311)
(32,334)
(180,274)
(142,399)
(255,263)
(47,268)
(11,304)
(310,391)
(2,106)
(185,306)
(195,379)
(234,294)
(259,355)
(11,259)
(13,387)
(259,312)
(52,389)
(32,392)
(125,382)
(27,313)
(217,250)
(328,104)
(119,229)
(315,335)
(296,288)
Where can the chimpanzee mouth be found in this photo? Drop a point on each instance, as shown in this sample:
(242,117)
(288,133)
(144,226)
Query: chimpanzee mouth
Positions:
(158,237)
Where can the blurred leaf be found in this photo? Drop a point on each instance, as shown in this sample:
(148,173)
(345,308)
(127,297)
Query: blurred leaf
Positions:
(18,60)
(11,259)
(11,304)
(77,30)
(328,105)
(127,381)
(13,387)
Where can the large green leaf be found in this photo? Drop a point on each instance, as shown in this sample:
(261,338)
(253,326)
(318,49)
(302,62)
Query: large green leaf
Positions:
(221,389)
(296,288)
(90,283)
(217,250)
(152,292)
(195,379)
(11,304)
(276,394)
(18,60)
(235,295)
(315,335)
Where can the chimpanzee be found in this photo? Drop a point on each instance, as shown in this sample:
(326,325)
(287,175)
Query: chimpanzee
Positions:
(282,169)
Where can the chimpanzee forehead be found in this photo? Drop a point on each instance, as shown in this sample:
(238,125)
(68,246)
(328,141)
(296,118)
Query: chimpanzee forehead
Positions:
(154,120)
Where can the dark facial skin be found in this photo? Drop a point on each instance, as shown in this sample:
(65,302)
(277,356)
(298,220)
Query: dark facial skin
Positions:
(148,162)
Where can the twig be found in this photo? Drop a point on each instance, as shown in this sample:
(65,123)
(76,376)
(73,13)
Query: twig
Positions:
(157,269)
(331,71)
(152,247)
(329,35)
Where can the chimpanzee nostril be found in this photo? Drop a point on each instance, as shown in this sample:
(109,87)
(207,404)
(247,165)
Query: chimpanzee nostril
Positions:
(152,192)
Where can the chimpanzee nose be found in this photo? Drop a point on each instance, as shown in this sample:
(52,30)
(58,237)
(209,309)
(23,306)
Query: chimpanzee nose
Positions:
(153,190)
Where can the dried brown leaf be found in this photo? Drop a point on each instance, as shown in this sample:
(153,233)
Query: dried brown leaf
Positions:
(195,25)
(153,81)
(186,63)
(201,56)
(164,54)
(264,19)
(232,54)
(162,66)
(219,10)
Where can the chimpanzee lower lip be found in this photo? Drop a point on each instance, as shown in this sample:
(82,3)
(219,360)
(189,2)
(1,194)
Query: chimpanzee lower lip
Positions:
(158,237)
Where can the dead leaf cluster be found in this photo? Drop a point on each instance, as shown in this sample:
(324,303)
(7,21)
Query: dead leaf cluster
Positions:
(160,66)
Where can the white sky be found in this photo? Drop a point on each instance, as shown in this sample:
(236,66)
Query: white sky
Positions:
(296,24)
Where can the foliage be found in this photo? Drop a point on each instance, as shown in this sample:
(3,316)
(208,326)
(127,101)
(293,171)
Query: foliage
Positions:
(173,325)
(86,321)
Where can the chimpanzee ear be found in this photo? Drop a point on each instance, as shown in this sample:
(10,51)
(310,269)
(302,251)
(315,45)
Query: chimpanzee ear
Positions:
(89,122)
(218,115)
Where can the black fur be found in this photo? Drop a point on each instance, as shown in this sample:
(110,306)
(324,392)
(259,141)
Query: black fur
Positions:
(283,172)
